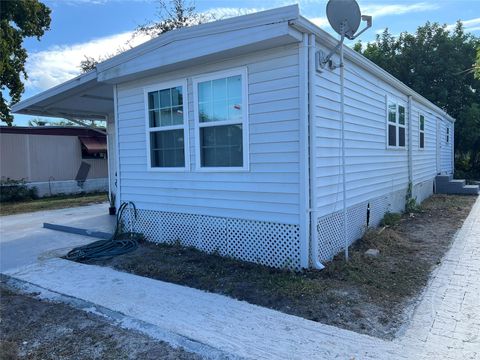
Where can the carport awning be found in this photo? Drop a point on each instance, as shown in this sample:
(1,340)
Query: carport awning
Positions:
(80,98)
(95,144)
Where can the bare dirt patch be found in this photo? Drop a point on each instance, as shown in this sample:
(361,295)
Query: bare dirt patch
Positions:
(367,295)
(34,329)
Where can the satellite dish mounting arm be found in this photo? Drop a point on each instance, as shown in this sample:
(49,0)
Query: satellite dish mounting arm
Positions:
(323,60)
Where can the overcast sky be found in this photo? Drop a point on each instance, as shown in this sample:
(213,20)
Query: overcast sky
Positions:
(97,27)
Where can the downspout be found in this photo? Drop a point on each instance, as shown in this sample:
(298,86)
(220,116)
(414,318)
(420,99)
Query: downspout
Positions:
(410,140)
(342,120)
(117,146)
(304,165)
(452,140)
(109,157)
(312,161)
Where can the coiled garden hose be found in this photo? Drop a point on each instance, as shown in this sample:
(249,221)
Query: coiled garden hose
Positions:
(120,243)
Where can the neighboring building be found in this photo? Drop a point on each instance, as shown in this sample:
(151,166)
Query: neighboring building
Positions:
(227,138)
(55,159)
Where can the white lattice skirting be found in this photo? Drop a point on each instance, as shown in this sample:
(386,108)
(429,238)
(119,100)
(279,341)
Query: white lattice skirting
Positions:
(267,243)
(329,228)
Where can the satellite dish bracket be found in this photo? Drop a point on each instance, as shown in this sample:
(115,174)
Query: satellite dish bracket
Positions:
(323,60)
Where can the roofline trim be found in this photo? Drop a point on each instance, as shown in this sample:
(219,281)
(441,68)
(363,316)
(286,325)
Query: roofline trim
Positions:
(56,90)
(282,14)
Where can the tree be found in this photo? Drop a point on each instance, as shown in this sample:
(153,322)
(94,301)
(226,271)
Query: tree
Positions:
(88,123)
(37,122)
(477,65)
(437,63)
(18,20)
(172,15)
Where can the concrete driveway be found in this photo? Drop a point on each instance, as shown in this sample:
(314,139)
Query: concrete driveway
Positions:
(24,241)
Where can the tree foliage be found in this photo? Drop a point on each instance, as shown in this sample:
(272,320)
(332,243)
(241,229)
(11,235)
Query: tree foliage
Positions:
(174,14)
(41,122)
(19,19)
(437,63)
(477,65)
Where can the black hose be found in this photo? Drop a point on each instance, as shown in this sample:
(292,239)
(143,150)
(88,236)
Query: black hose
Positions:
(120,243)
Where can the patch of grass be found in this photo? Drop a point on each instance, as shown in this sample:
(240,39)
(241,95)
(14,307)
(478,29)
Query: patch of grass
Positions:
(51,203)
(390,219)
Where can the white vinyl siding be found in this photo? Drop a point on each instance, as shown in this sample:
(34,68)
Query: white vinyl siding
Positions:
(372,168)
(423,159)
(446,147)
(268,191)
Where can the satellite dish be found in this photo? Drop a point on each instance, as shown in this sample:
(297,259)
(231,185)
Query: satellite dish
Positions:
(344,17)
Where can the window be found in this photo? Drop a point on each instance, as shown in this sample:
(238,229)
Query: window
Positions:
(166,127)
(421,127)
(448,135)
(396,125)
(220,118)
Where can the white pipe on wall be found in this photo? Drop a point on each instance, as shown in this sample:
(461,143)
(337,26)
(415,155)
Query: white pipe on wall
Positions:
(304,165)
(312,136)
(410,140)
(342,120)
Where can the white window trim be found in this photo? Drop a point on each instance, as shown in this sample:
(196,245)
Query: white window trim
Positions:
(422,131)
(245,132)
(447,134)
(397,124)
(148,129)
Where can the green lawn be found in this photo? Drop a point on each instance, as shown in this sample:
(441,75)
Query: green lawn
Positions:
(51,203)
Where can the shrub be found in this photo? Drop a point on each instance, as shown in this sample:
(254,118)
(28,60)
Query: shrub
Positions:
(390,219)
(16,190)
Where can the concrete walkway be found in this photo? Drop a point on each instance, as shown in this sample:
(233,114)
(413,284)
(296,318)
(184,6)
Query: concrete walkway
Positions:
(446,323)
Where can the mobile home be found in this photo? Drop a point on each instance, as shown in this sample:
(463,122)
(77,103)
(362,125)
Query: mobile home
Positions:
(55,159)
(227,138)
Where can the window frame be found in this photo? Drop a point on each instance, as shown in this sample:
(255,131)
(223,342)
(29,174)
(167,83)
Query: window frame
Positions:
(397,124)
(148,130)
(420,131)
(447,135)
(198,125)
